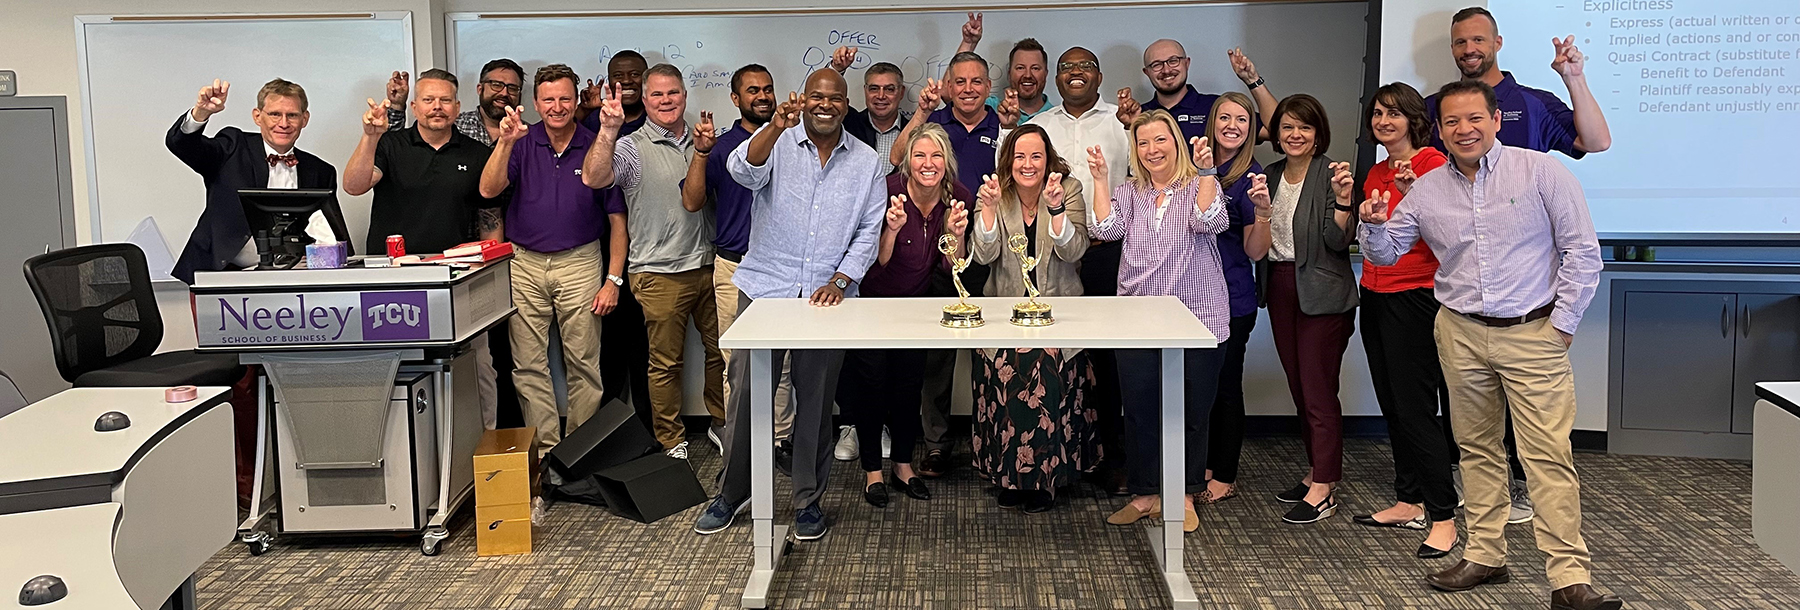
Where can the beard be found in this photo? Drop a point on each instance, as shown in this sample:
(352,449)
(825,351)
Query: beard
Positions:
(1487,63)
(756,118)
(1177,88)
(492,110)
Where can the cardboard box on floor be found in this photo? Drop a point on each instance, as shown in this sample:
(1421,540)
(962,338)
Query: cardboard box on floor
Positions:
(506,480)
(651,487)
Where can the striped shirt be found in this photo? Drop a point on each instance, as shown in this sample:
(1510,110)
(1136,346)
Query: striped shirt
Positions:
(1173,251)
(1515,238)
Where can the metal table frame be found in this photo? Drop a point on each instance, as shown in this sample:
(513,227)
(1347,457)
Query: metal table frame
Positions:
(1171,335)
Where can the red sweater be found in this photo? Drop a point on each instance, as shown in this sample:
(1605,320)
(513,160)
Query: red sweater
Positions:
(1415,268)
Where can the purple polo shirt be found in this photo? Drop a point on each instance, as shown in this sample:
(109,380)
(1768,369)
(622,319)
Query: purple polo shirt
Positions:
(974,149)
(1238,279)
(592,122)
(551,209)
(1190,113)
(1532,119)
(916,257)
(731,201)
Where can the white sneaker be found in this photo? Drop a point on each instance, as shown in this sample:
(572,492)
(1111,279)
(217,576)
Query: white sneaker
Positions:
(846,444)
(1522,510)
(887,445)
(678,452)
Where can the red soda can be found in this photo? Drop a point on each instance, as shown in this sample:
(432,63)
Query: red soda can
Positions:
(396,246)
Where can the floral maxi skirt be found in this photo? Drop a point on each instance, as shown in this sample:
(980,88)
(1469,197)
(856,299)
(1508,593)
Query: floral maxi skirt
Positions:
(1032,428)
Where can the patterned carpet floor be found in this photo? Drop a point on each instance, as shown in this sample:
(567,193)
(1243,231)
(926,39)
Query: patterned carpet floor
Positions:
(1666,533)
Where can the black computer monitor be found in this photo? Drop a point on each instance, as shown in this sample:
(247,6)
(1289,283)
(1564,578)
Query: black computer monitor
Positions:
(278,222)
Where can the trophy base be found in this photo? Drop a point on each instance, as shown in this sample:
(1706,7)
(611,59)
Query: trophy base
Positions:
(1032,314)
(962,316)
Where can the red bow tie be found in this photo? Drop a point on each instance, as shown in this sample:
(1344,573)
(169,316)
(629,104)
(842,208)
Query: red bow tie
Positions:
(289,159)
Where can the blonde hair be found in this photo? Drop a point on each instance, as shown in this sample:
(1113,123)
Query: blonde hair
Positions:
(283,88)
(1240,164)
(937,135)
(1184,160)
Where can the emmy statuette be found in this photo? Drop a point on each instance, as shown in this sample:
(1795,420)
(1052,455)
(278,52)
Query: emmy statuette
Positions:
(960,314)
(1031,312)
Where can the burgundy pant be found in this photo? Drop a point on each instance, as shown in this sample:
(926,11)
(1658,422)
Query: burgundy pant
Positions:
(1312,352)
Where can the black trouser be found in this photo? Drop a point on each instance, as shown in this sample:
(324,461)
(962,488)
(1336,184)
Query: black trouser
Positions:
(1226,438)
(1140,384)
(1397,333)
(879,387)
(625,356)
(1100,278)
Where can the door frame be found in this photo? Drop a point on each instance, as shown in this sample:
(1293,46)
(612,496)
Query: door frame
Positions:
(59,111)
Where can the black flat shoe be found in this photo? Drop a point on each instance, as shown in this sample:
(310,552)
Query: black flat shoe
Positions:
(1304,513)
(1011,498)
(1427,552)
(876,494)
(1294,495)
(1038,501)
(913,488)
(1416,523)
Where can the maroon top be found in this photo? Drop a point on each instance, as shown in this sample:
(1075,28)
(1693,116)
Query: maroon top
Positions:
(908,272)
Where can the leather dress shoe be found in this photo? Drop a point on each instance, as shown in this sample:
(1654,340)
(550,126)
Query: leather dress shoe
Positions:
(1467,575)
(1583,597)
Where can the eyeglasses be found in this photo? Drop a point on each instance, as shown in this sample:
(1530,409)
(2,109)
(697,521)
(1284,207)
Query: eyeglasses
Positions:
(1165,63)
(494,85)
(1069,66)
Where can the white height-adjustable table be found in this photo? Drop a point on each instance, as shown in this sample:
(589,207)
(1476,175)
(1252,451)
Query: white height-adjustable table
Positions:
(1081,322)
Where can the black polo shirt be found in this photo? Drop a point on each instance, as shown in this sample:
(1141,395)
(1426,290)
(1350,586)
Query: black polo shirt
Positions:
(428,195)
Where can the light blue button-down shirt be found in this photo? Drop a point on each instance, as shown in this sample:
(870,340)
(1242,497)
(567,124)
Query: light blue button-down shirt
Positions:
(807,221)
(1516,237)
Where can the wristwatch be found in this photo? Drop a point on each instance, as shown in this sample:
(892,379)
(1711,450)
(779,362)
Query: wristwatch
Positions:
(841,283)
(1343,208)
(616,280)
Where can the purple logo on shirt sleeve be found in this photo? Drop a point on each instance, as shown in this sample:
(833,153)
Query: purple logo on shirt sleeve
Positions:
(395,316)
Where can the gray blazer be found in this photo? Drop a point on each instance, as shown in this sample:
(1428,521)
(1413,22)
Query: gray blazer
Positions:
(1321,249)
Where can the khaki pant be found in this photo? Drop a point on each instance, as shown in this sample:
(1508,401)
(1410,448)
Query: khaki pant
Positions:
(1527,367)
(727,294)
(560,287)
(669,300)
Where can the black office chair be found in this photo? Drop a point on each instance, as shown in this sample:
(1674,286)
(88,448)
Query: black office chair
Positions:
(104,325)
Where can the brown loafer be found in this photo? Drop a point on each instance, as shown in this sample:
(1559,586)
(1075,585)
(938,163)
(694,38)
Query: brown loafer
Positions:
(1467,575)
(1130,514)
(1190,521)
(1583,597)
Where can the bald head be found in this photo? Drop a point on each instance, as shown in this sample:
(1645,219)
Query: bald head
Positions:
(825,102)
(1166,63)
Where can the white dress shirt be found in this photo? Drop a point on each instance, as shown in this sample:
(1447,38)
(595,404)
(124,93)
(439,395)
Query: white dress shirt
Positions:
(1071,136)
(281,176)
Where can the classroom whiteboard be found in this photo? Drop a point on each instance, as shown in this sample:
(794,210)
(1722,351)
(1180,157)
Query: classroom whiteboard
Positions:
(138,76)
(1310,47)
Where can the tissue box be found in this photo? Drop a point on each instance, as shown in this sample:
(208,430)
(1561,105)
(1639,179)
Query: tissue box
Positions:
(325,256)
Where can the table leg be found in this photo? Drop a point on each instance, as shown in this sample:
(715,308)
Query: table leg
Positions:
(1166,540)
(250,531)
(767,539)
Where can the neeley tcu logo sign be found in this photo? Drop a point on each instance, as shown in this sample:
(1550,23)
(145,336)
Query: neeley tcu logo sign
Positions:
(341,317)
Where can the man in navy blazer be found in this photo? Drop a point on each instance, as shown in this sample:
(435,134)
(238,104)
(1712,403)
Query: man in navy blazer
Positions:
(233,160)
